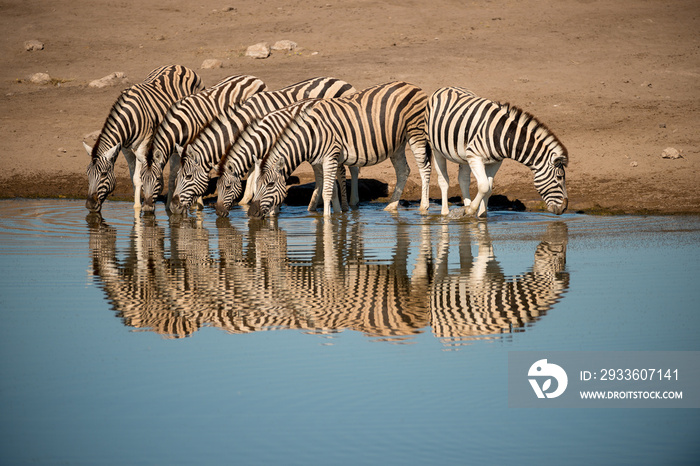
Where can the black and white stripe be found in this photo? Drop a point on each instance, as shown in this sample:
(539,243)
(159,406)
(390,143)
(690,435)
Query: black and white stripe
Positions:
(130,125)
(478,134)
(200,158)
(183,121)
(361,130)
(251,144)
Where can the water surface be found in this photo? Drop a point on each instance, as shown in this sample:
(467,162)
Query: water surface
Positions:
(373,338)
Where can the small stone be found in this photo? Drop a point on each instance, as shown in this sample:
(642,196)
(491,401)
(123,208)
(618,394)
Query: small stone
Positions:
(32,45)
(40,78)
(662,125)
(211,64)
(260,50)
(286,45)
(62,150)
(671,153)
(109,80)
(633,164)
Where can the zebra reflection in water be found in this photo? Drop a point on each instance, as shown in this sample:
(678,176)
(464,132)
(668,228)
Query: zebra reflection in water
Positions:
(477,299)
(253,281)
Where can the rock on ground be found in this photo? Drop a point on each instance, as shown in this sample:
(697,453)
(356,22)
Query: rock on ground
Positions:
(113,79)
(32,45)
(211,64)
(286,45)
(40,78)
(260,50)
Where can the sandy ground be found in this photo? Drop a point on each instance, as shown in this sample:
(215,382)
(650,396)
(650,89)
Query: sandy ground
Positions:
(617,82)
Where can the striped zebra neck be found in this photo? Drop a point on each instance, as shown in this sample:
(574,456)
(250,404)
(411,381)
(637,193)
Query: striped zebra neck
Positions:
(522,137)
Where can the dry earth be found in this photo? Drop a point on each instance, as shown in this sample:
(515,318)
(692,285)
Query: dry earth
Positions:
(618,82)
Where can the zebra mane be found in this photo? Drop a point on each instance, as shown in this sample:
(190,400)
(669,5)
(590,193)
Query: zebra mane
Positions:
(149,152)
(296,113)
(111,115)
(224,159)
(525,119)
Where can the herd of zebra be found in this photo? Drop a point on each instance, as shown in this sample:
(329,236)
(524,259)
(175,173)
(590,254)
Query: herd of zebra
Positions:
(239,128)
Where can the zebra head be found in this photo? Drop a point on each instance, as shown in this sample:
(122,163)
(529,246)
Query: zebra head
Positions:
(270,191)
(550,178)
(100,174)
(192,179)
(152,179)
(229,187)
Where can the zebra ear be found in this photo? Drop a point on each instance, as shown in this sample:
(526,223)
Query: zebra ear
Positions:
(214,172)
(179,149)
(111,154)
(87,148)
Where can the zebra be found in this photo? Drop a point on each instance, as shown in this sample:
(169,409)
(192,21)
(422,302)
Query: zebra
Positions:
(363,129)
(182,123)
(253,142)
(201,156)
(130,125)
(478,134)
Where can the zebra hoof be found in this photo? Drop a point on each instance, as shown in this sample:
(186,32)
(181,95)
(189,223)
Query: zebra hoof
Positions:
(392,206)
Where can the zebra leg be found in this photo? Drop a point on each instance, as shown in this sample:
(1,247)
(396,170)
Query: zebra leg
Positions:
(343,187)
(135,173)
(490,170)
(330,170)
(464,178)
(318,183)
(398,159)
(250,185)
(484,187)
(443,180)
(172,176)
(421,152)
(354,186)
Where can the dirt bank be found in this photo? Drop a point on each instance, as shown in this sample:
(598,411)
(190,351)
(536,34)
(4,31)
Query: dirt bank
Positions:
(618,82)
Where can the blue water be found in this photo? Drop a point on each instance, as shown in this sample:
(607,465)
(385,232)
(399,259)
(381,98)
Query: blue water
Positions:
(374,338)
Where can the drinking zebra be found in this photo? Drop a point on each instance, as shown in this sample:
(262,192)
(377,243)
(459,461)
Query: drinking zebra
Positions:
(478,134)
(252,143)
(130,125)
(200,157)
(361,130)
(184,120)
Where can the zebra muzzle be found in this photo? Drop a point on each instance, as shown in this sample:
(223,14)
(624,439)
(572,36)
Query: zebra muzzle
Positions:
(176,206)
(221,209)
(148,205)
(561,208)
(255,210)
(93,203)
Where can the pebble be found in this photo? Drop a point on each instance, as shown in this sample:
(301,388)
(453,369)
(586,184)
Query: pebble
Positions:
(286,45)
(671,153)
(110,80)
(32,45)
(211,64)
(260,50)
(40,78)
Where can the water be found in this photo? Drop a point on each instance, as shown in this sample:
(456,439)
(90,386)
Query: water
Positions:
(375,338)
